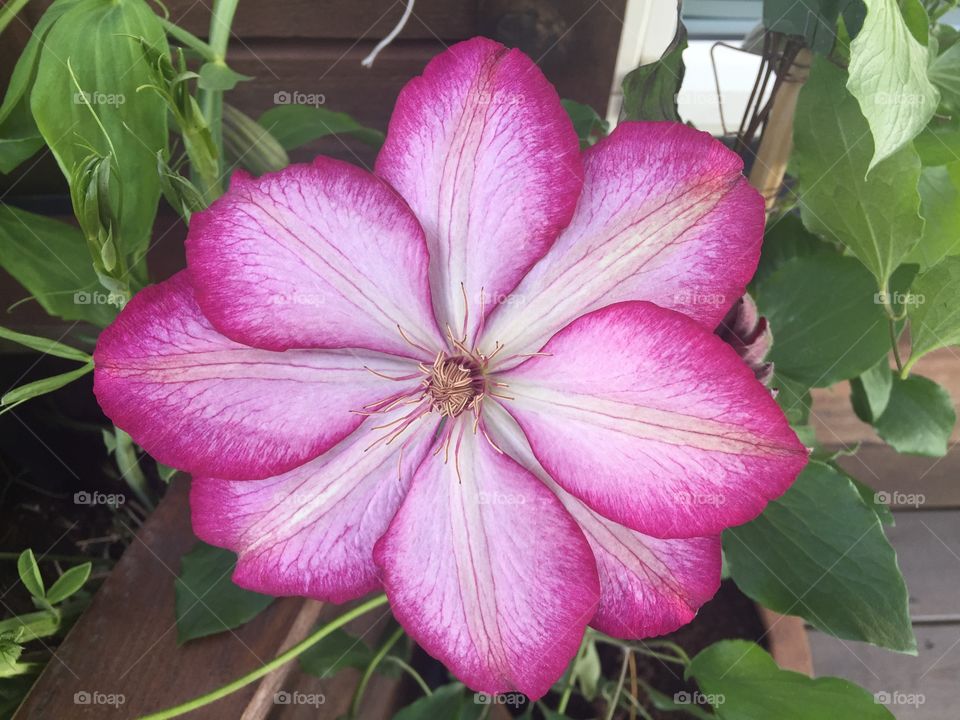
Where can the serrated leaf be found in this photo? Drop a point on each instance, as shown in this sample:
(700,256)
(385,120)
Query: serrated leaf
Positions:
(29,573)
(935,317)
(750,686)
(815,544)
(888,77)
(877,217)
(69,583)
(650,91)
(919,417)
(207,601)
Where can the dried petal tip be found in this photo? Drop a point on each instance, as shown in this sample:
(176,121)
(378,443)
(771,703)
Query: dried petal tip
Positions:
(747,332)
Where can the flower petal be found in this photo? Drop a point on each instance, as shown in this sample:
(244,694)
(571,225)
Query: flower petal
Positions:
(654,422)
(311,531)
(648,586)
(481,148)
(198,401)
(665,216)
(323,255)
(487,571)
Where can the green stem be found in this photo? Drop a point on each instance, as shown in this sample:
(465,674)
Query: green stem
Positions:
(9,11)
(368,673)
(615,701)
(406,667)
(189,40)
(568,690)
(211,101)
(895,345)
(286,657)
(129,465)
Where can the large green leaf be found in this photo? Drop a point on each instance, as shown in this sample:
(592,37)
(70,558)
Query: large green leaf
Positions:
(85,97)
(296,125)
(878,217)
(650,91)
(819,552)
(888,77)
(939,143)
(207,601)
(784,239)
(747,685)
(50,259)
(935,316)
(940,207)
(19,136)
(826,321)
(919,417)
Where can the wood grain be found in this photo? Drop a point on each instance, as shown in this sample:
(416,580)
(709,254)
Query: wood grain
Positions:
(125,644)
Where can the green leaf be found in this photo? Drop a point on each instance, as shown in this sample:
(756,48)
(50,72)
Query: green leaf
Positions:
(870,392)
(876,218)
(680,702)
(335,652)
(939,143)
(588,125)
(45,345)
(814,20)
(784,239)
(19,136)
(944,71)
(22,393)
(207,601)
(589,672)
(935,316)
(296,125)
(871,498)
(650,91)
(50,259)
(819,552)
(69,583)
(29,573)
(217,76)
(85,98)
(888,77)
(940,207)
(919,417)
(827,322)
(750,686)
(450,702)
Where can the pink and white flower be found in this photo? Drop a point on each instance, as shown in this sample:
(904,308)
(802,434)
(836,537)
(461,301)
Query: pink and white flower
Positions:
(483,378)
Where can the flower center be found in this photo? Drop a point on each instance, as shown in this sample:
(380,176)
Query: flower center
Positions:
(453,384)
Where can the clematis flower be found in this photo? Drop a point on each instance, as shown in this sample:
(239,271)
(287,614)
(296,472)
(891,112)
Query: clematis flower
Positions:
(483,377)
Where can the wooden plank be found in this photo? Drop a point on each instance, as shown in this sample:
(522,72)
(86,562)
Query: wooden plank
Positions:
(370,19)
(903,476)
(928,550)
(836,423)
(916,688)
(125,644)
